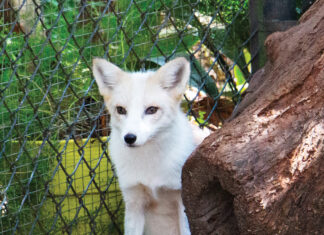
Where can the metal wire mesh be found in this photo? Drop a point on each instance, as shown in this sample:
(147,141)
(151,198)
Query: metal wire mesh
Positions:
(55,172)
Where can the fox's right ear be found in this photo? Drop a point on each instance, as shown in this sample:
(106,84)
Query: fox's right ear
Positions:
(106,75)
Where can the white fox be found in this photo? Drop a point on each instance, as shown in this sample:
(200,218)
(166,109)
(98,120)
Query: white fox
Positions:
(151,139)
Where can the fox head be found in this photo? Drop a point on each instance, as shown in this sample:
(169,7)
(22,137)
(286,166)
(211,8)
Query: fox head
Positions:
(141,105)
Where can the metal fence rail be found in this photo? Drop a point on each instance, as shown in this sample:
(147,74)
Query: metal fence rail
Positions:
(55,172)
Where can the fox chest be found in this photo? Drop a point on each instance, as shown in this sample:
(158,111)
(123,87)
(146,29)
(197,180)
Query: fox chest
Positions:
(150,172)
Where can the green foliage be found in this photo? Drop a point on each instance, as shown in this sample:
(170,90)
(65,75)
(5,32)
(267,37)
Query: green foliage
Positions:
(302,6)
(228,10)
(238,74)
(201,117)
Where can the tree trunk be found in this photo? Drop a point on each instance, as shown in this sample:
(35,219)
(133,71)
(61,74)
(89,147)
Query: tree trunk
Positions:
(263,172)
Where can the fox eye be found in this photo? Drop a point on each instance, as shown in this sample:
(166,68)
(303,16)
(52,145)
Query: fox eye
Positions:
(151,110)
(121,110)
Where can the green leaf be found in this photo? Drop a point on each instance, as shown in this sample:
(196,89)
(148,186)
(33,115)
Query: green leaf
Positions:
(239,76)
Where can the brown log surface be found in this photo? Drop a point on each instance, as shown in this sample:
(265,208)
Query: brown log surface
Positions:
(263,171)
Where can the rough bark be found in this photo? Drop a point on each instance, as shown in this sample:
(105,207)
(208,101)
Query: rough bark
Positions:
(263,172)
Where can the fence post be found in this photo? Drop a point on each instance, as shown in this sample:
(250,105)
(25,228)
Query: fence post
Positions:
(266,17)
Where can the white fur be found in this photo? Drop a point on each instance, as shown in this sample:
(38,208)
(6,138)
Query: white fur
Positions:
(149,173)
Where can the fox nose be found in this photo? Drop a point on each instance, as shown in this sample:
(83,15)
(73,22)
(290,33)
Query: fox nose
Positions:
(130,138)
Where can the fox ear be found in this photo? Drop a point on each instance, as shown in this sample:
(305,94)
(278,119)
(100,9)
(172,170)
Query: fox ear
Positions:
(106,75)
(174,75)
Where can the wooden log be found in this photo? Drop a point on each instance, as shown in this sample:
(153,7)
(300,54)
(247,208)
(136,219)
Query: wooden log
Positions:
(263,171)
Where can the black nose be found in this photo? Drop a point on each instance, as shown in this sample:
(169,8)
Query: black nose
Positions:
(130,138)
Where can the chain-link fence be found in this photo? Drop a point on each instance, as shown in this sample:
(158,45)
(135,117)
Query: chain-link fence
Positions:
(55,172)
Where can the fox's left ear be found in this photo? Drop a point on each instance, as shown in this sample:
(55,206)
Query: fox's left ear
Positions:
(174,75)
